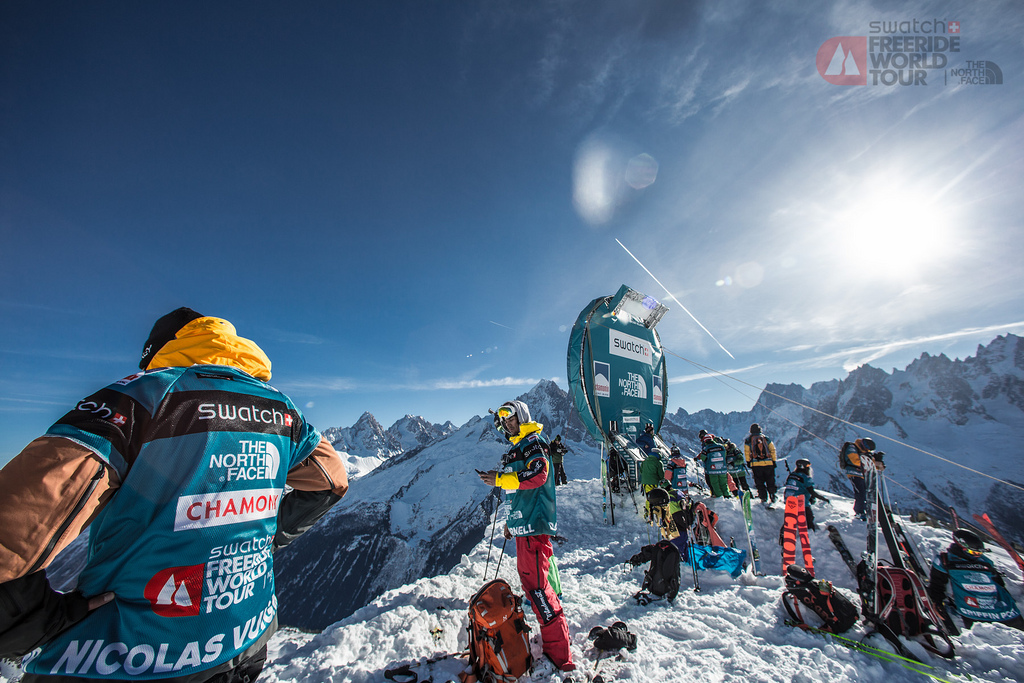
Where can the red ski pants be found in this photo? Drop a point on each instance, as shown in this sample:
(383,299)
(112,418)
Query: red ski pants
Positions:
(533,556)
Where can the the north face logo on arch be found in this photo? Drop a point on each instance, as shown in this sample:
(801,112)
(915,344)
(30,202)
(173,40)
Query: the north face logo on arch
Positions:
(176,591)
(843,60)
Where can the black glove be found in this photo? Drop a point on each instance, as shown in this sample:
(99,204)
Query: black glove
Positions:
(33,613)
(615,637)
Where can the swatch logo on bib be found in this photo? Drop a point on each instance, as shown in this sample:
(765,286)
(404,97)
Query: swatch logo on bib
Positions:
(176,591)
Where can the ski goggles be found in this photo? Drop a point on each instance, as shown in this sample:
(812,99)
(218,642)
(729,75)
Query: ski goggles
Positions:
(505,412)
(971,552)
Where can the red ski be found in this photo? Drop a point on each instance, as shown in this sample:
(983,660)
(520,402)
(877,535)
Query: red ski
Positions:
(984,521)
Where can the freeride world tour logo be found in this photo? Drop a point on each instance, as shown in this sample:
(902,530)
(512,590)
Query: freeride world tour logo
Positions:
(904,53)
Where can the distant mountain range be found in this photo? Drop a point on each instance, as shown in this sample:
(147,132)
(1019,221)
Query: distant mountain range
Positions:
(967,412)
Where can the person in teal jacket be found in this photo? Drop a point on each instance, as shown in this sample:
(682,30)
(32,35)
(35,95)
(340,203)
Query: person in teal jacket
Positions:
(529,483)
(978,589)
(179,472)
(800,483)
(713,455)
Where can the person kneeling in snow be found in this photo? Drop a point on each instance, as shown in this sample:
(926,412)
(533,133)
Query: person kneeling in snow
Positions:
(979,591)
(529,484)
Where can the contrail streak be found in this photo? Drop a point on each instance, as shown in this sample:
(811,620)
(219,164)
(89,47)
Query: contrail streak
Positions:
(677,300)
(500,325)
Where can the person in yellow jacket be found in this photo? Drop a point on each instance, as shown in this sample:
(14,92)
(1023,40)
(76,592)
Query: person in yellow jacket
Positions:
(759,452)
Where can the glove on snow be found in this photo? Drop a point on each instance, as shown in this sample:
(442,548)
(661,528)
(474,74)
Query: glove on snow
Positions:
(615,637)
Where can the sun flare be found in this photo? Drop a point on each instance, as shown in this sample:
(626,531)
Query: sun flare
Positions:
(894,229)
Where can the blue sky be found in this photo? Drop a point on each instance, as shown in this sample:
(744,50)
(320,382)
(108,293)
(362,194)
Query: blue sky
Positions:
(407,204)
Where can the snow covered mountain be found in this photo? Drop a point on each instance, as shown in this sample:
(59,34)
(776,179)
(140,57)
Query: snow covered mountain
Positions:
(366,444)
(936,414)
(415,515)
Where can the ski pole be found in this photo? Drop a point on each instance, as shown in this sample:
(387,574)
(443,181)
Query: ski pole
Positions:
(498,568)
(491,544)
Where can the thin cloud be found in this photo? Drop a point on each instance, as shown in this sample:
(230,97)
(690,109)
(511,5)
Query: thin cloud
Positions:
(854,357)
(712,374)
(482,383)
(345,384)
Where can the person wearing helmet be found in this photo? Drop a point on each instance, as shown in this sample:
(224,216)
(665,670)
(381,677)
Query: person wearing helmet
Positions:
(759,452)
(853,456)
(800,483)
(526,476)
(736,467)
(978,589)
(558,451)
(646,440)
(713,456)
(676,470)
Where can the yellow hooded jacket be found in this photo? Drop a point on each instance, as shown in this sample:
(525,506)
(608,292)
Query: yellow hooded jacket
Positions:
(212,341)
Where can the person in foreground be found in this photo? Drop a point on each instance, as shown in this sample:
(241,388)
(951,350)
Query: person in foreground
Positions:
(526,477)
(179,473)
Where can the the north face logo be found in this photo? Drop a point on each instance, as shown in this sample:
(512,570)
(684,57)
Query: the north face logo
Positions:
(176,591)
(844,60)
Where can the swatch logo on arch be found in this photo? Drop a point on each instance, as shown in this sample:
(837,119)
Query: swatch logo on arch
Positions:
(843,60)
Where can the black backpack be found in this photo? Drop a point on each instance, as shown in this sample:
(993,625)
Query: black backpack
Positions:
(837,613)
(662,578)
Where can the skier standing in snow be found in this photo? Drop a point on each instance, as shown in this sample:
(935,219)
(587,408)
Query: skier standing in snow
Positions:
(676,471)
(800,483)
(979,590)
(735,466)
(799,494)
(532,520)
(850,459)
(712,455)
(558,451)
(652,474)
(759,452)
(616,468)
(178,471)
(646,440)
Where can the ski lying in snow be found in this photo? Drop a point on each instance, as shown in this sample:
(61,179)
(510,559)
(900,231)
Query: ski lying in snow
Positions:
(748,517)
(844,552)
(984,521)
(885,655)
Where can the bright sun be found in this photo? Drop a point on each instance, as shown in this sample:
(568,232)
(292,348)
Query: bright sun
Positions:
(893,229)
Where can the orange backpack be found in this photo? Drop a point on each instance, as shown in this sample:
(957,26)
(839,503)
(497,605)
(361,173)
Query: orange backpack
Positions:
(499,644)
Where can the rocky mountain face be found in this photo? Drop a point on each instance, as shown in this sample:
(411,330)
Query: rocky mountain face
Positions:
(366,444)
(939,415)
(414,515)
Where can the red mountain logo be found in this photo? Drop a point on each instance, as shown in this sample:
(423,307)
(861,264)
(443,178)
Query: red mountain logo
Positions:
(843,60)
(176,591)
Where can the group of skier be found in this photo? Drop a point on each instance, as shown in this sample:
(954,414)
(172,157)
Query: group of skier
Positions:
(725,467)
(976,587)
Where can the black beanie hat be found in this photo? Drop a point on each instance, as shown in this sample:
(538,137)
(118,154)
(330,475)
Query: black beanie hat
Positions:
(164,330)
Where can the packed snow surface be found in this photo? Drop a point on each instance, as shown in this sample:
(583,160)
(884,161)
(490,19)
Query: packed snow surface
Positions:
(732,630)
